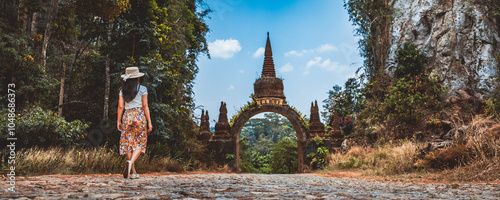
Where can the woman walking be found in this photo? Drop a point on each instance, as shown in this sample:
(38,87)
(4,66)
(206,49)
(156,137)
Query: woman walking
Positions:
(134,99)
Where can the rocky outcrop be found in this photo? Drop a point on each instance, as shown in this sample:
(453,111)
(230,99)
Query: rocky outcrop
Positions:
(458,36)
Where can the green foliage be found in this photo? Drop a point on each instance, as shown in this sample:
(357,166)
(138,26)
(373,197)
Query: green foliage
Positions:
(108,9)
(263,146)
(246,107)
(410,102)
(284,157)
(260,136)
(413,95)
(38,127)
(492,106)
(353,162)
(246,157)
(410,61)
(304,120)
(319,159)
(318,140)
(401,107)
(271,129)
(163,38)
(372,19)
(230,157)
(347,103)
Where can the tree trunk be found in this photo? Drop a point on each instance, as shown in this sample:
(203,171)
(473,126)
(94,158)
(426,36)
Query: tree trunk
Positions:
(29,19)
(22,17)
(34,23)
(108,82)
(133,46)
(78,53)
(66,88)
(61,91)
(52,13)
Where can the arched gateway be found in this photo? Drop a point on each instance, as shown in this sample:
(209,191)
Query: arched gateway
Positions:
(268,97)
(285,110)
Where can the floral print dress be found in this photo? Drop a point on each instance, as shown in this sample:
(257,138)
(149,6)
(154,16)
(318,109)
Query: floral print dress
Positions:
(134,135)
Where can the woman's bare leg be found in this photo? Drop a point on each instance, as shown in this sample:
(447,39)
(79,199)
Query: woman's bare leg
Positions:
(134,157)
(129,157)
(133,170)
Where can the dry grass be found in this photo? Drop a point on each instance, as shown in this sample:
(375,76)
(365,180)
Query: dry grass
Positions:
(37,161)
(476,152)
(474,156)
(381,160)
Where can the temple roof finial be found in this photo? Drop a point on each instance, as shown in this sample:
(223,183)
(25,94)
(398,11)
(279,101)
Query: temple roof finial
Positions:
(268,68)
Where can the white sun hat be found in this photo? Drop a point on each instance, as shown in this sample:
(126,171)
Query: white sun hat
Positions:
(132,72)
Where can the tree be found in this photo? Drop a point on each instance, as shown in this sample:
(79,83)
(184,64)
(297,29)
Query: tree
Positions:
(347,103)
(261,136)
(284,157)
(410,61)
(96,40)
(372,19)
(273,127)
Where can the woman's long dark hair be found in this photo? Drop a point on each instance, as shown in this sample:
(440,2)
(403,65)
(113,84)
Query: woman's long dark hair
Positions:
(129,89)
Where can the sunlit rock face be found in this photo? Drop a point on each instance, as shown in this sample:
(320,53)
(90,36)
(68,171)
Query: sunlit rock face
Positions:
(460,38)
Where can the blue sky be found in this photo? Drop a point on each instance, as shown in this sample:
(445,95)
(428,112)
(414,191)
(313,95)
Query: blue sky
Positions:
(313,43)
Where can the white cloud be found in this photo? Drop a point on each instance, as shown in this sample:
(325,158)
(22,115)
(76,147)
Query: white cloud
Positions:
(259,52)
(224,48)
(293,52)
(327,64)
(231,87)
(286,68)
(313,62)
(241,71)
(320,49)
(326,47)
(297,53)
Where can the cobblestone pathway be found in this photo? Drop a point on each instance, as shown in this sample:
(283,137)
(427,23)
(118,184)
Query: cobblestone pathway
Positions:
(238,186)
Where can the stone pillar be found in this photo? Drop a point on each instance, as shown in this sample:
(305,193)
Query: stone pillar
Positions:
(205,133)
(334,132)
(316,128)
(222,128)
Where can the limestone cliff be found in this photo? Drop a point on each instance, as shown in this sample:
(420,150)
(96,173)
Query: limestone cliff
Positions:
(460,38)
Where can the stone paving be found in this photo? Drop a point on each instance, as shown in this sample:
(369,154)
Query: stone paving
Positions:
(237,186)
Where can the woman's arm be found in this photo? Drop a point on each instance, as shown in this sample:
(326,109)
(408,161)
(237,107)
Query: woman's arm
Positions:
(121,105)
(145,107)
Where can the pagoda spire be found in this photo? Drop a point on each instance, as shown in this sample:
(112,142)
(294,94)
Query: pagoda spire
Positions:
(268,68)
(268,85)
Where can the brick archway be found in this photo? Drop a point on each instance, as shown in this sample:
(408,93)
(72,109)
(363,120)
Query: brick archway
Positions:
(286,111)
(268,96)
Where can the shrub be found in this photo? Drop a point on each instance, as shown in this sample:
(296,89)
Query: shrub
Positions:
(246,157)
(284,157)
(319,159)
(410,99)
(492,106)
(347,102)
(44,128)
(410,61)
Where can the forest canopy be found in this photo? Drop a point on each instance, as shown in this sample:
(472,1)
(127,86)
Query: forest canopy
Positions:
(65,58)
